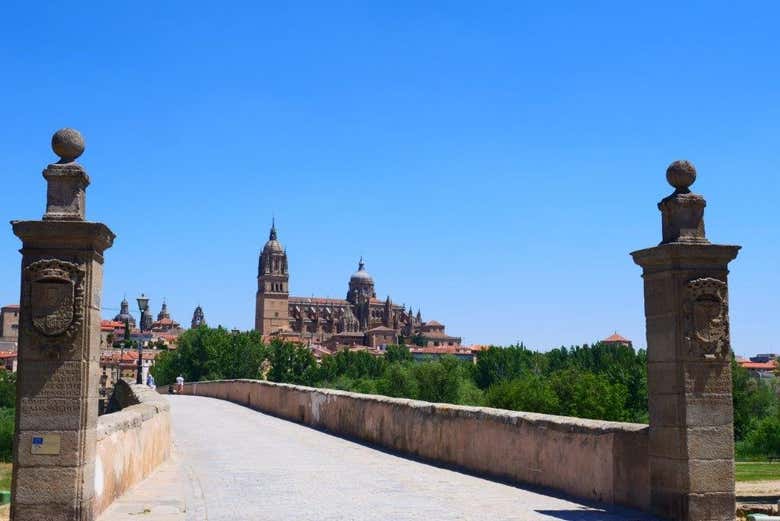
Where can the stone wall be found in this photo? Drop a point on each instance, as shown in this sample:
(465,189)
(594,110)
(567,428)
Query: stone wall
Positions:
(595,460)
(131,442)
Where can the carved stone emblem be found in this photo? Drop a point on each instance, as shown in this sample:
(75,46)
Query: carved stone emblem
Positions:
(56,296)
(707,318)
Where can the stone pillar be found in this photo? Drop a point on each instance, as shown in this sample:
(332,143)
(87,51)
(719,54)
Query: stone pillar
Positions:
(689,361)
(59,348)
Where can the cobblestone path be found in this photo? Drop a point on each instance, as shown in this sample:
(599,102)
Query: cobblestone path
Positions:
(241,465)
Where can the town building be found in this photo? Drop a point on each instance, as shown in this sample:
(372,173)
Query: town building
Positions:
(763,367)
(617,340)
(9,323)
(360,319)
(165,328)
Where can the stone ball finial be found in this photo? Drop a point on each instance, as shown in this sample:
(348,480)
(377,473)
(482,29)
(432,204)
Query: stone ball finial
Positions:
(68,143)
(681,174)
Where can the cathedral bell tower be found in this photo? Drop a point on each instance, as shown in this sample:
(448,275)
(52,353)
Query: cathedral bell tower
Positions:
(271,309)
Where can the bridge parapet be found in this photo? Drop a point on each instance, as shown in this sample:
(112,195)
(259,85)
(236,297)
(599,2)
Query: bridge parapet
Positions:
(596,460)
(131,442)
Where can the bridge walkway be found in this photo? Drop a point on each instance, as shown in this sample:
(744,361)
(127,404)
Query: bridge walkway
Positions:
(235,464)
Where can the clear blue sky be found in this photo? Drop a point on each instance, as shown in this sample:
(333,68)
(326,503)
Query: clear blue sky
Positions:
(495,162)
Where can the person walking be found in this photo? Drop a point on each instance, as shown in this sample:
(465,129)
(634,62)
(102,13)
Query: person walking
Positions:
(179,384)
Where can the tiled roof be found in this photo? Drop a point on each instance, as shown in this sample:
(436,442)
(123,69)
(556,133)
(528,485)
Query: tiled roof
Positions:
(129,356)
(380,329)
(616,338)
(7,354)
(11,306)
(437,335)
(432,323)
(761,366)
(318,300)
(443,350)
(110,325)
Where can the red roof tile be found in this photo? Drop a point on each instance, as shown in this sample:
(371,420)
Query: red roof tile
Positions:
(616,338)
(760,366)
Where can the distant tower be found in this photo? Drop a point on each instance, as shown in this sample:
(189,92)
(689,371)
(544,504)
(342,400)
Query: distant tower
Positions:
(146,320)
(198,318)
(361,291)
(271,304)
(164,311)
(387,316)
(361,284)
(124,314)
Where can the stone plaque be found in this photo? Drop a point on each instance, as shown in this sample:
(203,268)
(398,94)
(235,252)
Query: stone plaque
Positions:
(706,318)
(45,444)
(56,296)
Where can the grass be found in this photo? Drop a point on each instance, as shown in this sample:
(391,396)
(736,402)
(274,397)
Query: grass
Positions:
(5,484)
(757,471)
(5,476)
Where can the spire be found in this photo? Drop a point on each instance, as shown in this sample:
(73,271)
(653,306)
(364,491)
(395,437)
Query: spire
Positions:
(361,264)
(164,311)
(272,235)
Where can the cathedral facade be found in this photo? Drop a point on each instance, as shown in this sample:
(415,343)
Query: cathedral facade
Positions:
(360,319)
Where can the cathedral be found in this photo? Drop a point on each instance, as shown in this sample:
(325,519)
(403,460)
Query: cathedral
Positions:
(358,320)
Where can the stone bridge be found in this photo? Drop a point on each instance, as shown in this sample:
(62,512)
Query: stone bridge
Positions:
(246,450)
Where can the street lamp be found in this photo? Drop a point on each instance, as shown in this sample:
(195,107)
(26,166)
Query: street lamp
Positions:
(143,306)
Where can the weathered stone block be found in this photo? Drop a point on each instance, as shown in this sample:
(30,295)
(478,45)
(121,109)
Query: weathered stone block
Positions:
(704,378)
(710,442)
(661,335)
(666,410)
(711,475)
(709,411)
(711,506)
(668,442)
(664,378)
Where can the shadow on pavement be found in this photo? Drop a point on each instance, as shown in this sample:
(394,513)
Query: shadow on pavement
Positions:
(609,514)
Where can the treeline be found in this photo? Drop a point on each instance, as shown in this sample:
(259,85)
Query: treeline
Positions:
(756,415)
(7,414)
(599,381)
(591,381)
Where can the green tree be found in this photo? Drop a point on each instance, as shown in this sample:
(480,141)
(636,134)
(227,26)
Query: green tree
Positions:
(587,395)
(7,389)
(204,353)
(763,440)
(6,433)
(498,364)
(291,363)
(439,380)
(753,400)
(397,353)
(531,393)
(399,381)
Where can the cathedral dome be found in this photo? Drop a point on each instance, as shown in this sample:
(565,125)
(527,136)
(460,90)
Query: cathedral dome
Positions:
(361,275)
(273,244)
(124,314)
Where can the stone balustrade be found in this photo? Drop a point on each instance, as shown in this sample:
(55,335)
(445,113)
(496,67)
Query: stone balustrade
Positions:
(596,460)
(131,442)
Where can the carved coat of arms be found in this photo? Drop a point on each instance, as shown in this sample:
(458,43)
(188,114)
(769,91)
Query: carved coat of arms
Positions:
(56,296)
(707,318)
